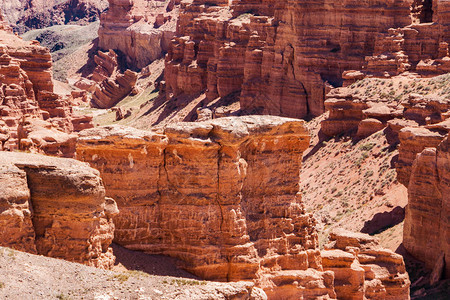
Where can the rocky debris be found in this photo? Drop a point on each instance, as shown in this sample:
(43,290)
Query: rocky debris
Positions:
(140,29)
(27,90)
(24,15)
(122,113)
(55,207)
(112,86)
(426,227)
(222,196)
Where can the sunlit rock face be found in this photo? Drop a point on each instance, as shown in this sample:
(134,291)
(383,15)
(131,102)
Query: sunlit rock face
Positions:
(32,116)
(427,224)
(222,196)
(55,207)
(139,29)
(279,57)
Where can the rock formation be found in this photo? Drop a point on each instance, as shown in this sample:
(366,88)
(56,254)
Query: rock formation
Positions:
(27,90)
(427,225)
(55,207)
(24,15)
(412,142)
(363,269)
(222,196)
(112,86)
(278,58)
(419,124)
(140,29)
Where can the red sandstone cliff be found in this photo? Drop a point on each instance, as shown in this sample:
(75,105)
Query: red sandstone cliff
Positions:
(140,29)
(55,207)
(223,197)
(427,224)
(26,95)
(419,125)
(281,57)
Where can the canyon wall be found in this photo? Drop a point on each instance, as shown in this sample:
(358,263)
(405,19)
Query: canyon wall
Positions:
(279,57)
(28,103)
(139,29)
(426,232)
(283,57)
(55,207)
(222,196)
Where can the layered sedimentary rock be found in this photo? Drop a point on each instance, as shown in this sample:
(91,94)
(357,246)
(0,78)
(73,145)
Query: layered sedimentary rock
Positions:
(412,142)
(349,112)
(37,135)
(140,29)
(112,85)
(15,210)
(427,224)
(421,46)
(222,196)
(363,269)
(55,207)
(280,57)
(24,15)
(202,173)
(27,89)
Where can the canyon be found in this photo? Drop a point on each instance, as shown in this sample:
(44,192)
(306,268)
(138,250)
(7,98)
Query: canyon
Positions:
(141,30)
(179,135)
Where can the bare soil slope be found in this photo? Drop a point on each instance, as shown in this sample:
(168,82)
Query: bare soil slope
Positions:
(27,276)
